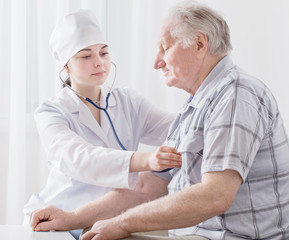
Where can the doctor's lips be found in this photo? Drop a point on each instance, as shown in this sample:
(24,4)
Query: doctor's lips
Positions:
(98,73)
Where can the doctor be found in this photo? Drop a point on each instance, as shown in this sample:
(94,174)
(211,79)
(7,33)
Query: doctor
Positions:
(84,154)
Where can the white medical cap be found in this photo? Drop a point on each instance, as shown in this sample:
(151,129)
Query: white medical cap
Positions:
(74,32)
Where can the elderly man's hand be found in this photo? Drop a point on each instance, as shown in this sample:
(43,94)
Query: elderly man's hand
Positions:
(106,230)
(51,218)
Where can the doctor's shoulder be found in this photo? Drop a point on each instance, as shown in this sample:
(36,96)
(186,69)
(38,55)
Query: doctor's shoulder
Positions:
(60,104)
(129,97)
(129,94)
(138,102)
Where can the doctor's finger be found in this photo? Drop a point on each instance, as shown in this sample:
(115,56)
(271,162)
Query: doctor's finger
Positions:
(168,149)
(169,156)
(170,163)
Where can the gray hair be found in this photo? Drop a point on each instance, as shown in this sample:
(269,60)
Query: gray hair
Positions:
(189,18)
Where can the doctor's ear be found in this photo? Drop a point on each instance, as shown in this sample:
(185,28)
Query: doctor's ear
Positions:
(66,68)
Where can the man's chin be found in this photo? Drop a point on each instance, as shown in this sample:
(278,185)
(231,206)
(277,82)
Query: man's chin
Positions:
(170,82)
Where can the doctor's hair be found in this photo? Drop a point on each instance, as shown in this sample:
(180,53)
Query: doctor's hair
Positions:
(189,18)
(67,82)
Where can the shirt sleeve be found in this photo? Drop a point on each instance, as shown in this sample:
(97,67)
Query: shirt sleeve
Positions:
(164,175)
(233,132)
(76,157)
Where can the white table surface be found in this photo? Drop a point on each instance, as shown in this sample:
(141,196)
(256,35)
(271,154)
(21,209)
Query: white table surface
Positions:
(13,232)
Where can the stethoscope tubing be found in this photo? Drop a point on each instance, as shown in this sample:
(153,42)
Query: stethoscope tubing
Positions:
(108,117)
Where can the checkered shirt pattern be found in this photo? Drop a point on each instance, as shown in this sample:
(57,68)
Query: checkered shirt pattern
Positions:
(233,122)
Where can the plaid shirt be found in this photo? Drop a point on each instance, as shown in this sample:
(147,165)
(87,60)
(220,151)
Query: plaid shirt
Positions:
(233,122)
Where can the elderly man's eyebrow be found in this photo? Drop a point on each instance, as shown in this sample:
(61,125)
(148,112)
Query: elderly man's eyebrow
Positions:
(161,42)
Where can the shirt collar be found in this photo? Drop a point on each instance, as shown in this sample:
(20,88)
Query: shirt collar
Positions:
(211,82)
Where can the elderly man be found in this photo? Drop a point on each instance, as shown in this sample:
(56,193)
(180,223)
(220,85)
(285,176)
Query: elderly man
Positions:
(234,179)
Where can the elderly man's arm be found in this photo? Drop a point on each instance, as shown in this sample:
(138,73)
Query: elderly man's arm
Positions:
(188,207)
(149,187)
(195,204)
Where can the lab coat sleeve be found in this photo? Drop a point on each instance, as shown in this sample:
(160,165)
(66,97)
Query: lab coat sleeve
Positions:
(154,122)
(78,159)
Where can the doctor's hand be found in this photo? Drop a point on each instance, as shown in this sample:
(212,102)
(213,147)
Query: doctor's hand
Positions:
(106,230)
(51,218)
(163,158)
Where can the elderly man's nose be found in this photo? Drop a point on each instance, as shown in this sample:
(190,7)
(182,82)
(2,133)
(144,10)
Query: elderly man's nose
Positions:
(159,63)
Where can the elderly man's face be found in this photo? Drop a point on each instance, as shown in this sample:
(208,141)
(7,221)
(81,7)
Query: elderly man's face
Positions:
(180,65)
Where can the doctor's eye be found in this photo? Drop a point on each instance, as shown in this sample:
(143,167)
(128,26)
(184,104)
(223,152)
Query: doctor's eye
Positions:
(104,53)
(87,56)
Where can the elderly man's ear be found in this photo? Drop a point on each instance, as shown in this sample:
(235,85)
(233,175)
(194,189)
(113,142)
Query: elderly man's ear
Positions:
(202,43)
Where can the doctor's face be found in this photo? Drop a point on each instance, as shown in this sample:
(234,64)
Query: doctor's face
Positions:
(90,66)
(180,65)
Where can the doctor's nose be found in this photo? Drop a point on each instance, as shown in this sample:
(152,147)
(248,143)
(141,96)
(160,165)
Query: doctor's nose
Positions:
(159,62)
(98,62)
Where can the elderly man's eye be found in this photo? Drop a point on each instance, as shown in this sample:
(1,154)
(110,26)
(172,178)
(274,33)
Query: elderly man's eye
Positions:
(165,48)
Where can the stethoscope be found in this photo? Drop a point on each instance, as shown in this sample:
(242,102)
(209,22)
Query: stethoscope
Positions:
(103,109)
(98,107)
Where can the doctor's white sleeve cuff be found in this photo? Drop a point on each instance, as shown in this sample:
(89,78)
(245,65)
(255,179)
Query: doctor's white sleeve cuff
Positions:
(132,180)
(132,177)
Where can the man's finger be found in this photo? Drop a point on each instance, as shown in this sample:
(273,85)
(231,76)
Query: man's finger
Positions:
(35,218)
(87,236)
(44,226)
(39,216)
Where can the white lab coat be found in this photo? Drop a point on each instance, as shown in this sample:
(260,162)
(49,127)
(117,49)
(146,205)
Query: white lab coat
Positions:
(82,156)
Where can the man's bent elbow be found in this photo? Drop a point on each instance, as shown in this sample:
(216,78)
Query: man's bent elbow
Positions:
(150,187)
(221,205)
